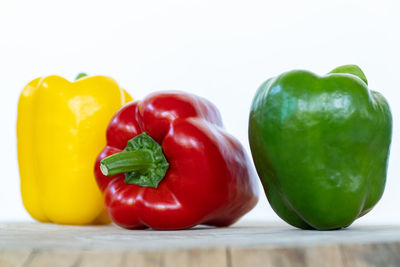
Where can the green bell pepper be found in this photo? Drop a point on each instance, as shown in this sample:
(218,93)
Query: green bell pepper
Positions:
(320,146)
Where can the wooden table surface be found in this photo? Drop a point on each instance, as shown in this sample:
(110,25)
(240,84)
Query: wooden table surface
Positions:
(37,244)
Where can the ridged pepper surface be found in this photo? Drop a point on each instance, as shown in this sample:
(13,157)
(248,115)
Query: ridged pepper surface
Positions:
(181,167)
(60,131)
(321,146)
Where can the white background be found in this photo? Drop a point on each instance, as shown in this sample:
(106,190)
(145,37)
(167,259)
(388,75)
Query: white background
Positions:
(222,50)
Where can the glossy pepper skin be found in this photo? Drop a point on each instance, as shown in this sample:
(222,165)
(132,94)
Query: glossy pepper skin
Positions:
(320,146)
(60,131)
(210,179)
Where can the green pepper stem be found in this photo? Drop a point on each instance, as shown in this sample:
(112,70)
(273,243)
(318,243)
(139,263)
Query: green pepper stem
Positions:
(351,69)
(126,162)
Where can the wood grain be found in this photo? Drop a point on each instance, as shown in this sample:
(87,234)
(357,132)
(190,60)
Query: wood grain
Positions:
(14,258)
(52,258)
(35,244)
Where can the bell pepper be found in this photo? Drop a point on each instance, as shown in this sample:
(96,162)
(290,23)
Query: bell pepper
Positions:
(169,164)
(60,131)
(320,146)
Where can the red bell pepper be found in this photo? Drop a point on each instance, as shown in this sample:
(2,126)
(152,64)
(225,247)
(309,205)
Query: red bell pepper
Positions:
(179,168)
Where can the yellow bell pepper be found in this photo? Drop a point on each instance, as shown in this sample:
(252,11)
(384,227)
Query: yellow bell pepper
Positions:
(61,128)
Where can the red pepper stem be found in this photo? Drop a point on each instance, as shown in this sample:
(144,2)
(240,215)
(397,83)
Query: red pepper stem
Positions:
(142,161)
(126,162)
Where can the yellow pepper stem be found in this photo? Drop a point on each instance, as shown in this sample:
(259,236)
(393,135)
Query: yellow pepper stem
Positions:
(80,75)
